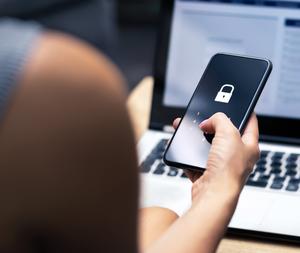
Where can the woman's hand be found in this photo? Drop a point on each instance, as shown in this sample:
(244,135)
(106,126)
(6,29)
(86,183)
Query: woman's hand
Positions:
(216,191)
(231,158)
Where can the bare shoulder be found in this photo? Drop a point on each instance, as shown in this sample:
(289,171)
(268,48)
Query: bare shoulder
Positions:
(75,60)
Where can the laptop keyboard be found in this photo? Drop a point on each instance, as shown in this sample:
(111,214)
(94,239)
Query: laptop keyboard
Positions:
(154,164)
(275,170)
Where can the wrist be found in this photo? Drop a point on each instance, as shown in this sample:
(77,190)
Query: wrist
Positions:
(219,194)
(213,212)
(219,207)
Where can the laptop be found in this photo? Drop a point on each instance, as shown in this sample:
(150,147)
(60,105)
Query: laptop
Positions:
(191,32)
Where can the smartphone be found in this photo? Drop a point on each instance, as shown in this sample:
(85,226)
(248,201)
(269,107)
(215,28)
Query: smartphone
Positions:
(231,84)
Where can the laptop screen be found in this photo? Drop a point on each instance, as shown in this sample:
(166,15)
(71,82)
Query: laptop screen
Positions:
(262,28)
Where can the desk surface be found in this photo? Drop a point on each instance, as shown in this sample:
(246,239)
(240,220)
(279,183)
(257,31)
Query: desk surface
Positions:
(139,105)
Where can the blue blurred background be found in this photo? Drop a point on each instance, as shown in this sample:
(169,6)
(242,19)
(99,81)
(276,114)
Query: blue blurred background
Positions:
(123,29)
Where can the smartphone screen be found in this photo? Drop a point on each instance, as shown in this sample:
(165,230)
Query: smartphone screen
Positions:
(230,84)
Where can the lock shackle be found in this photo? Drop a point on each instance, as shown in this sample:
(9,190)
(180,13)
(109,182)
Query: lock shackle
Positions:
(227,85)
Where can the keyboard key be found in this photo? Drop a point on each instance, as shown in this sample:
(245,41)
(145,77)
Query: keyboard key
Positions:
(158,151)
(275,171)
(147,163)
(150,159)
(161,146)
(291,165)
(291,173)
(278,154)
(159,172)
(276,164)
(257,183)
(293,156)
(160,156)
(277,185)
(160,169)
(156,154)
(292,159)
(161,166)
(260,168)
(173,172)
(292,187)
(145,167)
(263,178)
(276,159)
(264,153)
(279,179)
(261,162)
(294,181)
(155,151)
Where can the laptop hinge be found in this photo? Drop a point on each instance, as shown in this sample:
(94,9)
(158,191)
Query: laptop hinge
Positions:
(281,140)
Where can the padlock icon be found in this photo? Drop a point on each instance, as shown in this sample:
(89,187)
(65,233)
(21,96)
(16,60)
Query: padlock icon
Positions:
(225,96)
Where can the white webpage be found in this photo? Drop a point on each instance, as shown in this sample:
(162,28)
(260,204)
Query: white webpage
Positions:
(266,29)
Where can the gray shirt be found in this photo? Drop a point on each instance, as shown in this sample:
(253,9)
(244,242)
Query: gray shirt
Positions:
(17,39)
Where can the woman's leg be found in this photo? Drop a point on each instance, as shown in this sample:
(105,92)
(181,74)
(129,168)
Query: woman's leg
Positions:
(68,172)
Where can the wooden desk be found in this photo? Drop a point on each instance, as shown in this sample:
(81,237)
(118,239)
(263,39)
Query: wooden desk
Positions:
(139,104)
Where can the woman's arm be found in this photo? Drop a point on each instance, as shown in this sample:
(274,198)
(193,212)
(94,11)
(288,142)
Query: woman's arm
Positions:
(153,223)
(216,192)
(200,229)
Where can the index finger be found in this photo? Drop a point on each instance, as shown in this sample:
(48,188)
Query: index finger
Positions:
(251,133)
(219,122)
(176,122)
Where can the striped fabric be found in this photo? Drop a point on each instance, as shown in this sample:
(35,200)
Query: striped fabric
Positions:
(16,41)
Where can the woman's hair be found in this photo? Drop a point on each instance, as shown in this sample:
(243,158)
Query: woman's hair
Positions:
(68,177)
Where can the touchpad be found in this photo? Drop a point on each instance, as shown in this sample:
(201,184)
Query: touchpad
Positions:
(283,215)
(251,210)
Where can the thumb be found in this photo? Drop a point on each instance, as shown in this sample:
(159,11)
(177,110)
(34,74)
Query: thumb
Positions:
(219,122)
